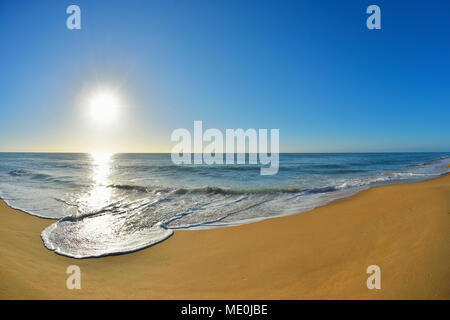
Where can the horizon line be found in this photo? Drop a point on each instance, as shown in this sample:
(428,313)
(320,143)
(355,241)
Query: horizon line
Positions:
(295,152)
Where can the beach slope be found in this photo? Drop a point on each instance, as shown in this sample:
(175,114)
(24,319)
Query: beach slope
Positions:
(320,254)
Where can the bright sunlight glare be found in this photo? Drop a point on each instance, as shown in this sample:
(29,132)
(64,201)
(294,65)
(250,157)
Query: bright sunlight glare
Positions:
(104,107)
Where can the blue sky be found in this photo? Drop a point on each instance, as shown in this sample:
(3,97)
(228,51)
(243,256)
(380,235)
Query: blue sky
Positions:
(309,68)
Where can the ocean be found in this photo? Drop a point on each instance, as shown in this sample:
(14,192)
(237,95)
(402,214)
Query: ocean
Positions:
(106,204)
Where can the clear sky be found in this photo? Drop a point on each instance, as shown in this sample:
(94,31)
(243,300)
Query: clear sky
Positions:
(309,68)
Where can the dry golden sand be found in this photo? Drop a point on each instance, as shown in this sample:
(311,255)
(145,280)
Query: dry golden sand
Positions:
(323,253)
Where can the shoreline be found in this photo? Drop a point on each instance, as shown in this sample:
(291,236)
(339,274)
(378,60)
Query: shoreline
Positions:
(252,220)
(318,254)
(238,223)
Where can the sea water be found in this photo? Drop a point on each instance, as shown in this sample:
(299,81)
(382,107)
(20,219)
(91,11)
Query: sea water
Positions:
(107,204)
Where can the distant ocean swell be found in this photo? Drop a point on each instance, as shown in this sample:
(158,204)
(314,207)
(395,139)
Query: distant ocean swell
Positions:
(113,204)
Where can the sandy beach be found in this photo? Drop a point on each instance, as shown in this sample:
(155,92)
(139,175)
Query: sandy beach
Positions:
(320,254)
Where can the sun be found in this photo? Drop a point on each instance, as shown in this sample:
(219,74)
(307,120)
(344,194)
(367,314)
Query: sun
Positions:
(104,107)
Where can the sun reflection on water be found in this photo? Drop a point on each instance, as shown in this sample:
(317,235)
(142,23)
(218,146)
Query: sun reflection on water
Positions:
(100,194)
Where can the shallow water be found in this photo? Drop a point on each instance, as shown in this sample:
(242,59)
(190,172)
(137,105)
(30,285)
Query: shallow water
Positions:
(116,203)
